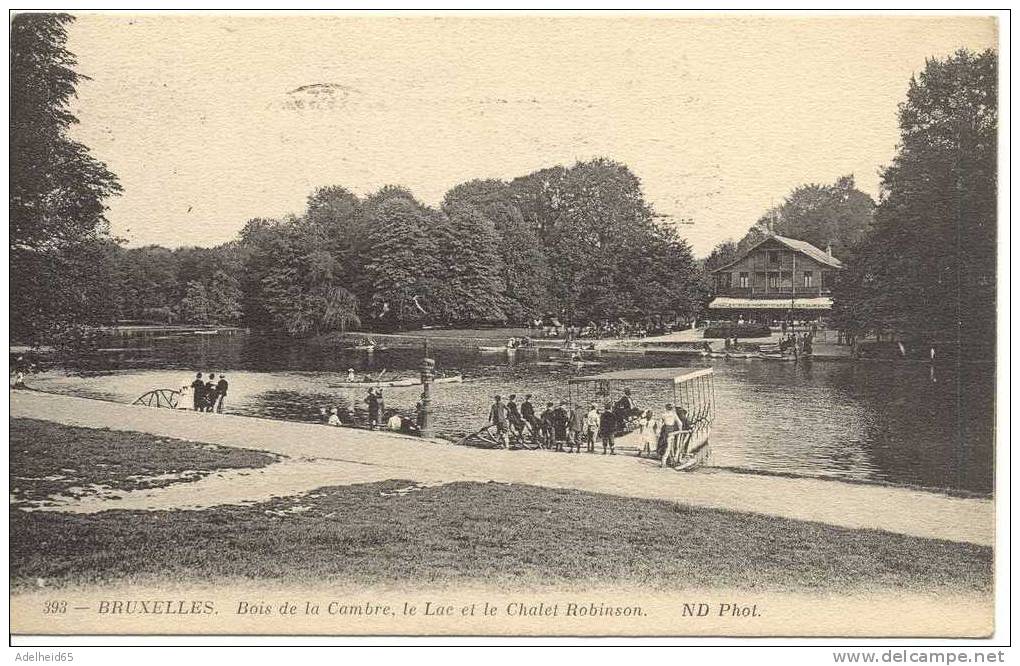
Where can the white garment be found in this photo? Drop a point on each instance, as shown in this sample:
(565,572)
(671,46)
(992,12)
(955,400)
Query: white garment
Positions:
(669,418)
(394,422)
(334,420)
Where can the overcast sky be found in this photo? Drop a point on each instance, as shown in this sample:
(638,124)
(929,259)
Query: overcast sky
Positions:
(211,120)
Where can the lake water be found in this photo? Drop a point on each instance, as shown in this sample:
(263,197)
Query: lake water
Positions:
(882,422)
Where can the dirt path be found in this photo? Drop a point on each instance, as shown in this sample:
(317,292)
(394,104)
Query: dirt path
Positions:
(320,455)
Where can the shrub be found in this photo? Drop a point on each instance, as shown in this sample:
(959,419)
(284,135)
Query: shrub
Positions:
(738,331)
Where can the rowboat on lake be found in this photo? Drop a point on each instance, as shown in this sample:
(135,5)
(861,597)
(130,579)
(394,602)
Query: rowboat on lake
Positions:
(397,383)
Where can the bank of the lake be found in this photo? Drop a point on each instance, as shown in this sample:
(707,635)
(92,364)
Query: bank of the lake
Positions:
(908,423)
(596,521)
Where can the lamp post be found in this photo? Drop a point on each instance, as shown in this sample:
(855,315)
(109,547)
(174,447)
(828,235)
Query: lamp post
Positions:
(428,367)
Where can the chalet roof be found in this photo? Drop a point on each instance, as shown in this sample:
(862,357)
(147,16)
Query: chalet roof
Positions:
(797,245)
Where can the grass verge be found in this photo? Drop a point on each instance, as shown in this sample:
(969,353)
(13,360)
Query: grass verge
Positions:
(496,534)
(51,459)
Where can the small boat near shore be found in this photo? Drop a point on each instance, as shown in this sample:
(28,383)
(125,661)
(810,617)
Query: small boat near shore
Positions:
(503,349)
(568,363)
(777,357)
(397,383)
(356,348)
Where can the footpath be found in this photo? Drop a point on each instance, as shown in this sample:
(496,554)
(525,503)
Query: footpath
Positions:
(318,455)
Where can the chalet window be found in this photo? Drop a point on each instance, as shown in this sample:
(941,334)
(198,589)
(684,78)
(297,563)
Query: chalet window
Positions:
(827,279)
(773,280)
(744,280)
(809,279)
(773,257)
(725,280)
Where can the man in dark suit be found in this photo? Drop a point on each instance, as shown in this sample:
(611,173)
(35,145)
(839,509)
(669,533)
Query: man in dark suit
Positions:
(210,393)
(221,393)
(198,393)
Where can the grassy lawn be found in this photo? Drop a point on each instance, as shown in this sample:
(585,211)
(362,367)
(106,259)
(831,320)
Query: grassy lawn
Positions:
(50,459)
(496,534)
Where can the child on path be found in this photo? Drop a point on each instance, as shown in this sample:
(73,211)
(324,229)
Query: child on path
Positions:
(592,422)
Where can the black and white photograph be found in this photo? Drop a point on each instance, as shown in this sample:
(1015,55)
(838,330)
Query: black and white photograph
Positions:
(563,324)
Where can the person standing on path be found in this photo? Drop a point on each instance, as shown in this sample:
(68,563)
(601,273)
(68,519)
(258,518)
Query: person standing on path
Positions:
(592,421)
(669,423)
(607,427)
(221,393)
(514,415)
(198,393)
(528,414)
(560,420)
(373,408)
(576,431)
(547,427)
(210,393)
(498,418)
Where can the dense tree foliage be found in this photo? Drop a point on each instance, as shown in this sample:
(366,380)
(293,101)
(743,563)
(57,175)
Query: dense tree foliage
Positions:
(927,269)
(57,222)
(153,284)
(838,215)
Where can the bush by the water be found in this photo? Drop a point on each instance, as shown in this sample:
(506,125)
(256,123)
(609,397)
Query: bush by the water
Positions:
(738,331)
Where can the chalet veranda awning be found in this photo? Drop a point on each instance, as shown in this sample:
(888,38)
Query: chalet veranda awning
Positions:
(730,303)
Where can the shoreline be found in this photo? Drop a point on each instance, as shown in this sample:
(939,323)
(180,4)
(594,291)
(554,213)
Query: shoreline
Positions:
(855,506)
(751,471)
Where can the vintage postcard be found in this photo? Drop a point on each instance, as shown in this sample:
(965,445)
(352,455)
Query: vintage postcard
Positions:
(503,324)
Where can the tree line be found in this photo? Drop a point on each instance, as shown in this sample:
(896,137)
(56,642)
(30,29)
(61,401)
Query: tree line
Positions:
(580,242)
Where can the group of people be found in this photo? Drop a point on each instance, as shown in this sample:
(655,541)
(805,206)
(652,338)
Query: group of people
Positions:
(566,427)
(519,343)
(378,416)
(205,395)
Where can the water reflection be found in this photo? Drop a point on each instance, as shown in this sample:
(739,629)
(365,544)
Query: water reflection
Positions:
(867,421)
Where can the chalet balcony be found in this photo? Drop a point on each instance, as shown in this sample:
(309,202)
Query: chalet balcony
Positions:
(774,292)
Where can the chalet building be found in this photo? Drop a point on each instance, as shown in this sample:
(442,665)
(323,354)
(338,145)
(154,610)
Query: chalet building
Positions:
(779,278)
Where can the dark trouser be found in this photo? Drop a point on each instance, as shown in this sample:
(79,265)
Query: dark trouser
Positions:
(609,441)
(198,401)
(219,403)
(663,444)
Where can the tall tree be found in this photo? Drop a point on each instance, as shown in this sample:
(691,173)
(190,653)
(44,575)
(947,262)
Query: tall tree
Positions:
(928,268)
(399,260)
(838,215)
(524,266)
(467,287)
(57,188)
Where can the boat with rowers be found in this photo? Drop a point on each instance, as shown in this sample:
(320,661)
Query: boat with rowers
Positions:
(397,383)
